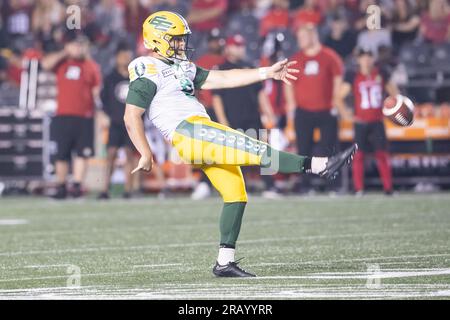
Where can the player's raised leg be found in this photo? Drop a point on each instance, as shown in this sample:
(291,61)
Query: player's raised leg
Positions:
(200,141)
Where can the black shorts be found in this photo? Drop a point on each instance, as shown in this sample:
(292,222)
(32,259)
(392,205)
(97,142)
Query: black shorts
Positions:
(118,136)
(370,136)
(72,134)
(306,122)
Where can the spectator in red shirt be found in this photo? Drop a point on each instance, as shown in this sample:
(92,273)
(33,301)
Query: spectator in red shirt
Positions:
(78,81)
(310,99)
(435,23)
(276,18)
(135,15)
(12,65)
(308,12)
(206,15)
(367,85)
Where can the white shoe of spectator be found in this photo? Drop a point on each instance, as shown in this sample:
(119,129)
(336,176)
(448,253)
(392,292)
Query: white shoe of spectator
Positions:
(271,194)
(201,191)
(359,194)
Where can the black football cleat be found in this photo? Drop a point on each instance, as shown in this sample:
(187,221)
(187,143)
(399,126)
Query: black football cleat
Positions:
(126,195)
(76,192)
(61,192)
(103,196)
(336,162)
(231,270)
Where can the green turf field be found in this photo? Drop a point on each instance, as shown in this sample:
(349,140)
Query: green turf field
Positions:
(316,247)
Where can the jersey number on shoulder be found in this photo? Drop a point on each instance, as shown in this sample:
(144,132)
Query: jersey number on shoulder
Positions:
(371,97)
(187,86)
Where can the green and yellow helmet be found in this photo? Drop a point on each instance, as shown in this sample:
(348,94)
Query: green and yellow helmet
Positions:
(159,31)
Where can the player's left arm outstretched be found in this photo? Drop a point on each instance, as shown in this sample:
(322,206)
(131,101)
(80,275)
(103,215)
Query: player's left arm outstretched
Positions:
(222,79)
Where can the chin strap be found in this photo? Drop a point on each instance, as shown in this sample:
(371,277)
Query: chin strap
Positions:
(165,58)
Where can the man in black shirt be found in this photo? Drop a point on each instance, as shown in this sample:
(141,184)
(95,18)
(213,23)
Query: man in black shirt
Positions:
(242,108)
(341,38)
(113,97)
(239,108)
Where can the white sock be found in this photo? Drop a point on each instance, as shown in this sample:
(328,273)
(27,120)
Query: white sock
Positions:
(226,255)
(318,164)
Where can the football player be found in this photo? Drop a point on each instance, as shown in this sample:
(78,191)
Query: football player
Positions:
(368,85)
(163,82)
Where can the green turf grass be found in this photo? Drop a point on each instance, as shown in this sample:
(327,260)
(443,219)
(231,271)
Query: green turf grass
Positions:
(300,247)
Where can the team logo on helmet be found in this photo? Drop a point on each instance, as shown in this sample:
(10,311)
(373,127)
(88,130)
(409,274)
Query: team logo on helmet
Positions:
(161,23)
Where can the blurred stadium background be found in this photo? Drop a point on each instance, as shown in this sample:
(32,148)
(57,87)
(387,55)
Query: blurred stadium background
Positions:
(413,43)
(313,247)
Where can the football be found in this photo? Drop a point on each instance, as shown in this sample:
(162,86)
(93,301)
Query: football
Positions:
(399,109)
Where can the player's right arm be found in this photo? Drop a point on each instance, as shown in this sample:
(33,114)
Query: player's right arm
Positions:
(136,131)
(141,91)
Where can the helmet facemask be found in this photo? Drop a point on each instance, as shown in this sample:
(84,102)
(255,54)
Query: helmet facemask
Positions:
(179,47)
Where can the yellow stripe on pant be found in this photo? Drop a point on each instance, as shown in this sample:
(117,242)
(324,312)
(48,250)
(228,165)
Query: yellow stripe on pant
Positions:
(219,151)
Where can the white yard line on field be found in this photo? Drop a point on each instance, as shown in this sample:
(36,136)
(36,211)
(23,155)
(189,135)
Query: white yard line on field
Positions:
(66,276)
(134,271)
(49,289)
(45,266)
(315,262)
(294,294)
(384,270)
(157,265)
(12,222)
(364,275)
(232,291)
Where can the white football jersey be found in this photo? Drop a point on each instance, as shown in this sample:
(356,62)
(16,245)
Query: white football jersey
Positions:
(175,99)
